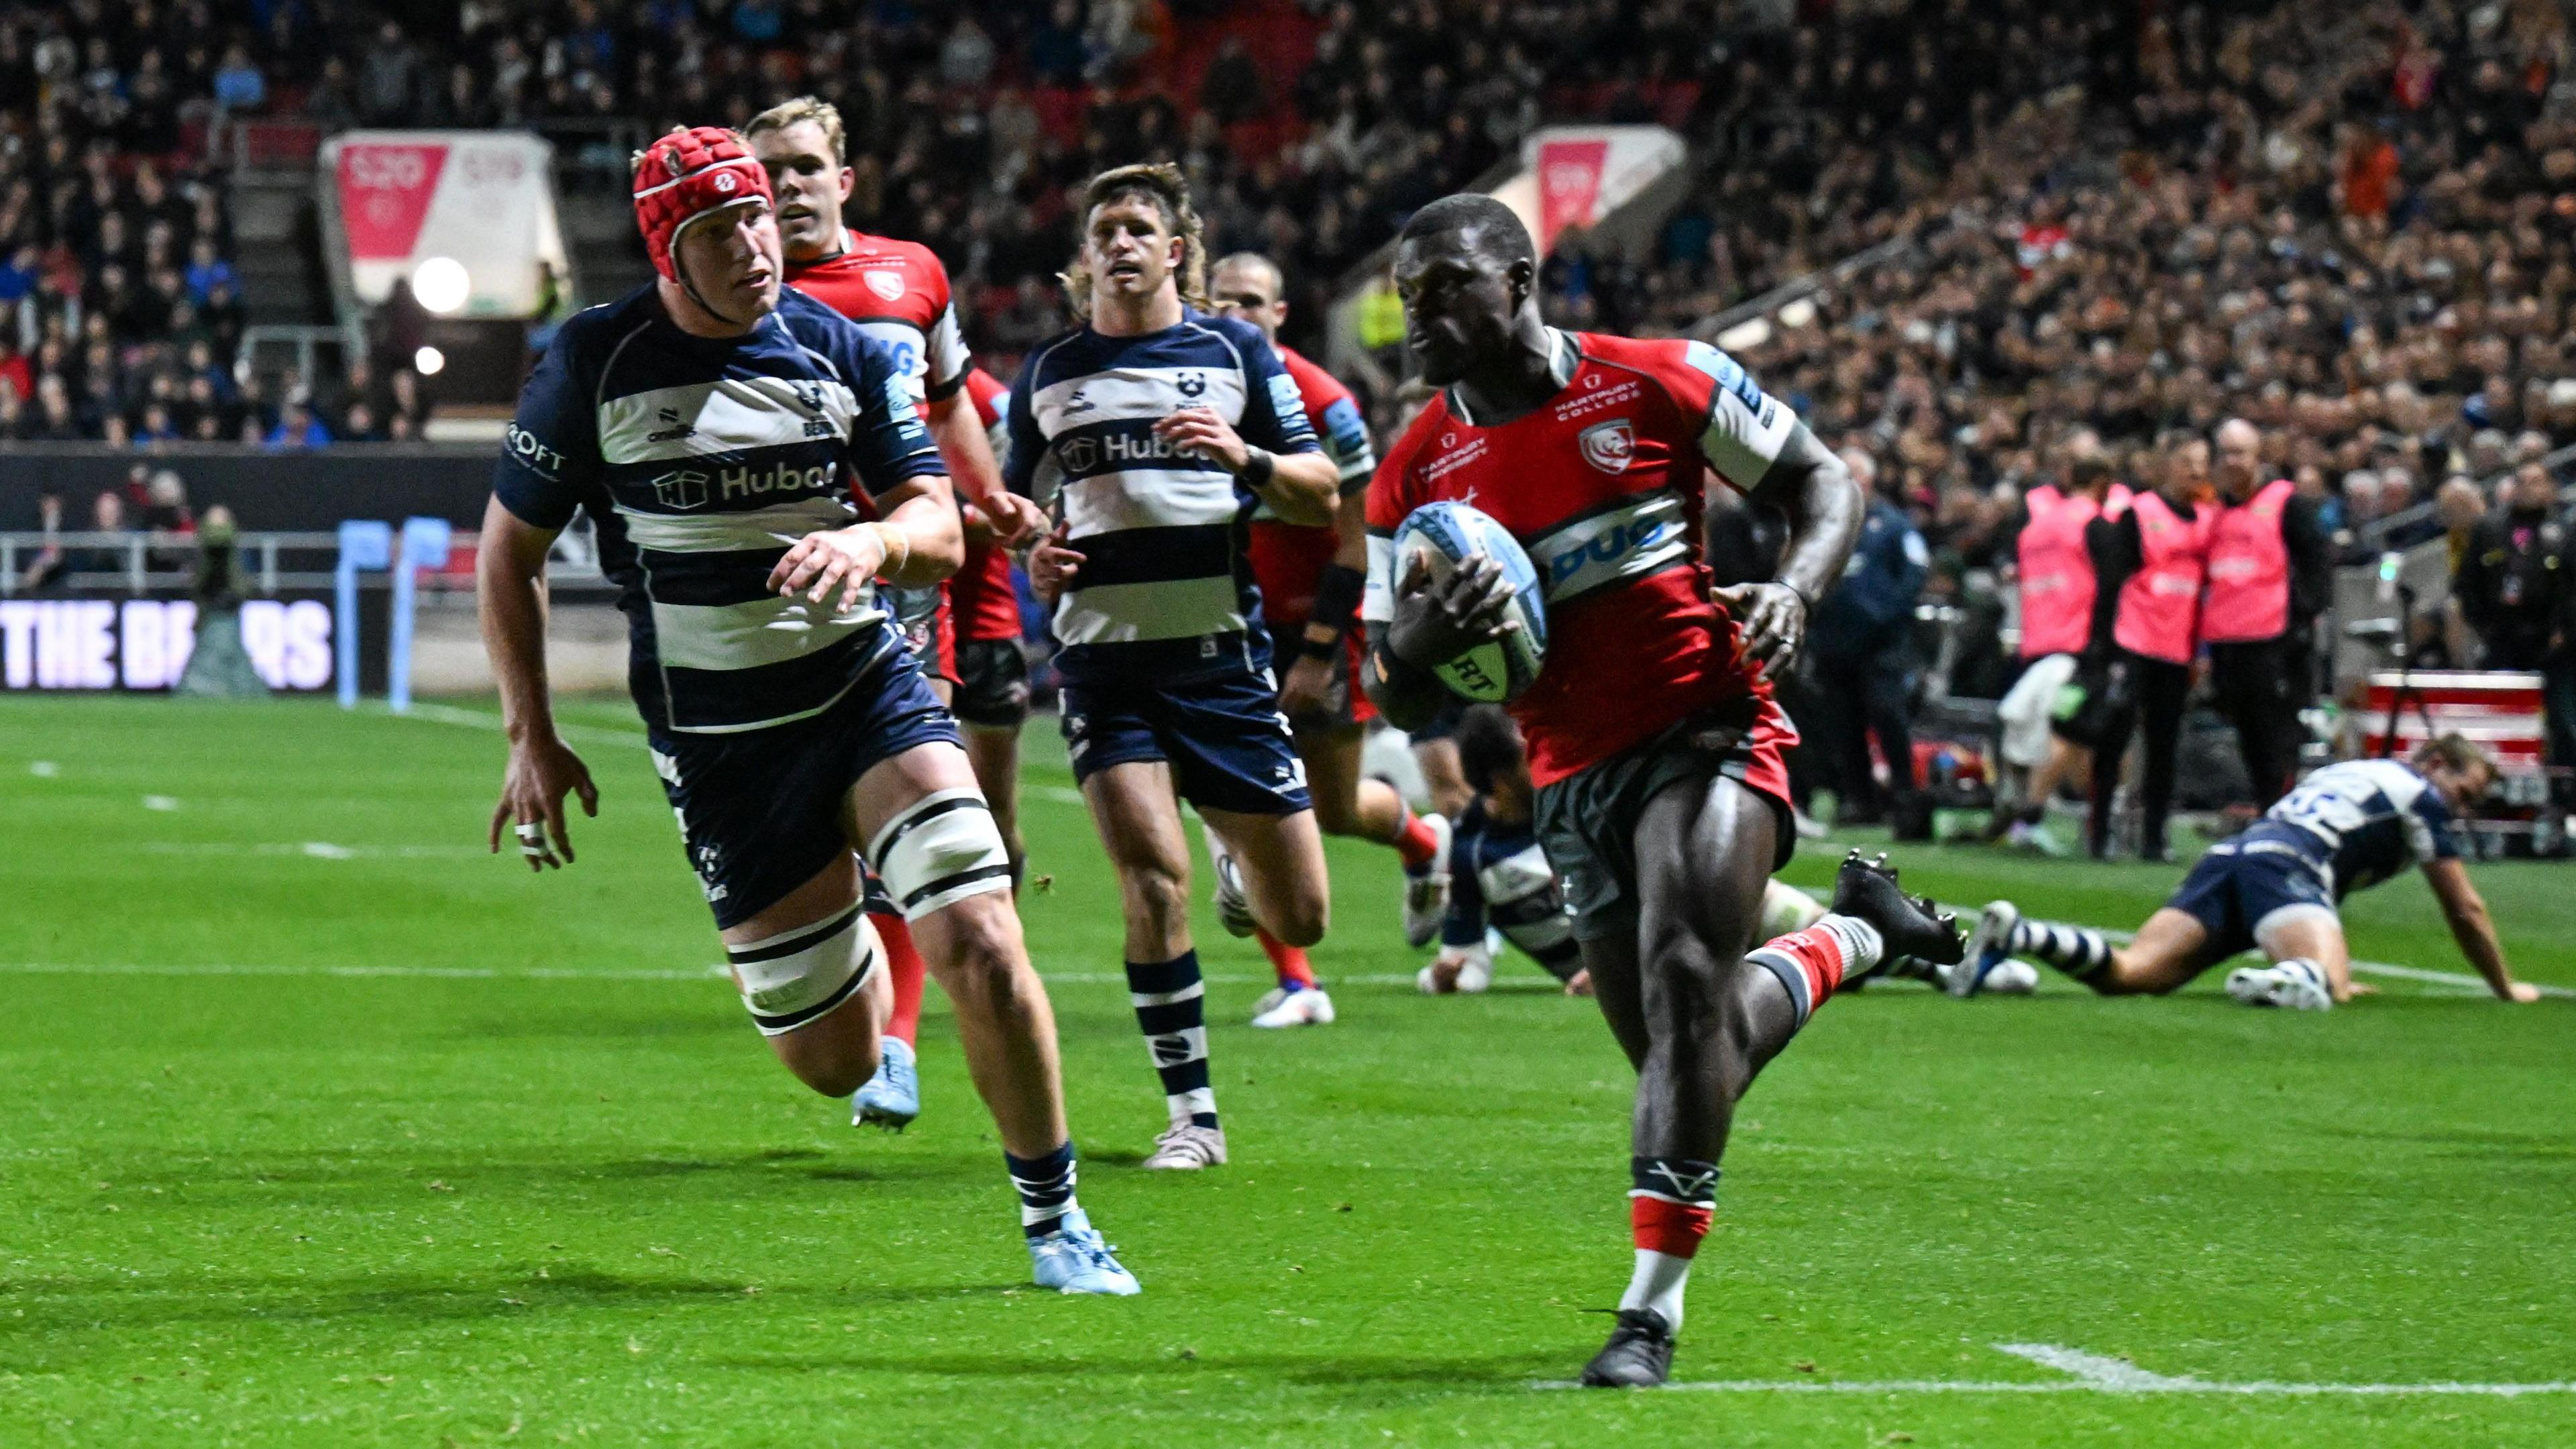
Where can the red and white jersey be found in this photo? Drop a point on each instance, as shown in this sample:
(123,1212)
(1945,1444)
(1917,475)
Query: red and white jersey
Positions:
(897,293)
(981,595)
(1288,559)
(1602,484)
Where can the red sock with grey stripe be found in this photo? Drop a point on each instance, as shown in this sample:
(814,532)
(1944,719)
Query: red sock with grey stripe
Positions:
(1814,962)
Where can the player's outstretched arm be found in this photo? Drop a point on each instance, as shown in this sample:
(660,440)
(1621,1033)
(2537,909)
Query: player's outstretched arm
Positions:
(2474,929)
(510,590)
(1815,492)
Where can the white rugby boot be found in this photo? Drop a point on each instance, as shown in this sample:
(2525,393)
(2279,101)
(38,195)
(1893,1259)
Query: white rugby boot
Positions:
(1187,1147)
(2295,985)
(1074,1259)
(1989,949)
(1305,1006)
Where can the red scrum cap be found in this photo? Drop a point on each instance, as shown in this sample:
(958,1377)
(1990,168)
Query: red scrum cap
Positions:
(686,175)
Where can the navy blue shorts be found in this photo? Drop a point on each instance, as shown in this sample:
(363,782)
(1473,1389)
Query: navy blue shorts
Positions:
(2239,882)
(760,811)
(1222,733)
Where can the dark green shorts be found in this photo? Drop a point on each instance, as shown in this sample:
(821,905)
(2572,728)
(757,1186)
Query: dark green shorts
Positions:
(1588,820)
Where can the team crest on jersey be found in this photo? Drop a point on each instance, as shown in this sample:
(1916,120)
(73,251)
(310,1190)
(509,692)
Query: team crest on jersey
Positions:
(1191,384)
(681,489)
(1609,446)
(888,285)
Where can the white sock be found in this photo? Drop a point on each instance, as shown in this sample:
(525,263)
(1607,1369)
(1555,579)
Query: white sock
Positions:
(1658,1284)
(1862,944)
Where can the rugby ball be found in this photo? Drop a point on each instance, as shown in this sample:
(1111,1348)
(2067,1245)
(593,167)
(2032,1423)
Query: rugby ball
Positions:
(1446,535)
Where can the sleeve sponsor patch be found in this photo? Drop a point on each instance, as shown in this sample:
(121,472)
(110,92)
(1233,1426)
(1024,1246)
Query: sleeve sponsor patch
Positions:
(1730,375)
(1283,396)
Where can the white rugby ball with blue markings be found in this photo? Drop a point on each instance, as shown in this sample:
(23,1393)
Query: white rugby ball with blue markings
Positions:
(1446,535)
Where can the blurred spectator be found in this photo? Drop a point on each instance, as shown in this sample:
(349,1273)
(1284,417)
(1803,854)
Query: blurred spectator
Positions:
(240,85)
(2459,505)
(2514,574)
(297,427)
(1864,665)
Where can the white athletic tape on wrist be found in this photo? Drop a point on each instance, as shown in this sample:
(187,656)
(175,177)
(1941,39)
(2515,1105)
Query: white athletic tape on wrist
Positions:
(938,851)
(793,977)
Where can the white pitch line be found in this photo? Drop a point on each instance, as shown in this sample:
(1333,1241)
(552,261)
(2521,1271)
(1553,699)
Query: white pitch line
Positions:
(2101,1372)
(317,849)
(431,973)
(484,720)
(542,973)
(2097,1374)
(2475,985)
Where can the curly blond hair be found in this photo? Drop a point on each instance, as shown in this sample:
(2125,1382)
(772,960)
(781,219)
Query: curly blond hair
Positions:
(1162,183)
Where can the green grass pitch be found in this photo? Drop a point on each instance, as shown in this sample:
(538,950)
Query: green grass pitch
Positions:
(324,1128)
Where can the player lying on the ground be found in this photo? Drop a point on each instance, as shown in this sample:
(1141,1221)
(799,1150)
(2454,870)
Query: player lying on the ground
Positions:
(1165,426)
(2345,828)
(713,426)
(896,292)
(1310,580)
(1504,885)
(1654,742)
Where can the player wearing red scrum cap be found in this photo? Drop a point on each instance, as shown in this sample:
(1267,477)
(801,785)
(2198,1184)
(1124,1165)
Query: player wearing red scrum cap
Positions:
(897,292)
(713,427)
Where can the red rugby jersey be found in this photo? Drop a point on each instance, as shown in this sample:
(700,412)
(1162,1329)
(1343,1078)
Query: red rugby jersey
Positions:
(1602,484)
(897,292)
(1288,559)
(981,597)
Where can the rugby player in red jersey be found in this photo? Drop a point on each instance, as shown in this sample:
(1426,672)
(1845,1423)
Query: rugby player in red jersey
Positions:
(992,694)
(897,292)
(1654,742)
(1310,581)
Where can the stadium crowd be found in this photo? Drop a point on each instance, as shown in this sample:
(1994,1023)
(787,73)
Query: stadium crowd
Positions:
(2355,234)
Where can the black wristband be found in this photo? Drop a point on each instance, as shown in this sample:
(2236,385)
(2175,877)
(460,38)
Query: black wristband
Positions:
(1337,598)
(1310,647)
(1258,465)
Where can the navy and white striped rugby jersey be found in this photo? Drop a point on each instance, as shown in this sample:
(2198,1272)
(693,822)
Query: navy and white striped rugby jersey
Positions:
(2361,822)
(702,460)
(1499,875)
(1163,584)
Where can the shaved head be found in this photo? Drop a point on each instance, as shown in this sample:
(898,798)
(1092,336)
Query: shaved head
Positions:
(1492,229)
(2240,457)
(1469,278)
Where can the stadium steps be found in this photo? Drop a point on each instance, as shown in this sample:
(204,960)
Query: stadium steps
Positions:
(608,258)
(277,248)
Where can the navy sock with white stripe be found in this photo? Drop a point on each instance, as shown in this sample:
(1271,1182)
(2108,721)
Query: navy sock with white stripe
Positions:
(1046,1189)
(1171,1005)
(2076,950)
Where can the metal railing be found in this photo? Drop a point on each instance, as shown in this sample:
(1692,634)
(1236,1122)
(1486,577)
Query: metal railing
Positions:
(1711,327)
(138,563)
(303,340)
(154,562)
(2375,533)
